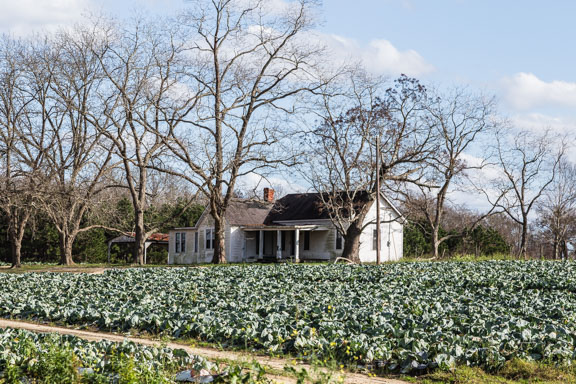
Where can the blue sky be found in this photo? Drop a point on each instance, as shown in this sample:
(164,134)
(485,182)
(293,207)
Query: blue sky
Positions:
(521,51)
(473,41)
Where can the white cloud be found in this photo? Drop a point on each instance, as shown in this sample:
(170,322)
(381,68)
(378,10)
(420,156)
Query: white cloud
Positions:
(24,16)
(525,91)
(379,56)
(407,4)
(537,122)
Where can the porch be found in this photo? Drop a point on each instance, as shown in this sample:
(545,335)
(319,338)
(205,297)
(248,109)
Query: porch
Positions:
(282,243)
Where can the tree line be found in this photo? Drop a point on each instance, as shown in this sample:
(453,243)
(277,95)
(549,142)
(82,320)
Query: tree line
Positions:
(144,108)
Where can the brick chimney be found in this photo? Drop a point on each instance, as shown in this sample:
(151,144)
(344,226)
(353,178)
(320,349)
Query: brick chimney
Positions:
(269,195)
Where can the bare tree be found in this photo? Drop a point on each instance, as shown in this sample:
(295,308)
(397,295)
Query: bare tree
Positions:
(557,210)
(17,163)
(143,64)
(252,65)
(528,163)
(66,78)
(341,161)
(459,120)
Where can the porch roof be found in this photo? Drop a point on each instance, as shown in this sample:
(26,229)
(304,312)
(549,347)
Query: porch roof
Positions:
(301,227)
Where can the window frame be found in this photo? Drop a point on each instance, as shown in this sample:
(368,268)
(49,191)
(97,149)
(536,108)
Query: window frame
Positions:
(209,240)
(177,243)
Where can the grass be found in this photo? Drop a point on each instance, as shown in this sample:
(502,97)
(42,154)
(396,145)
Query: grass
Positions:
(78,267)
(513,372)
(459,257)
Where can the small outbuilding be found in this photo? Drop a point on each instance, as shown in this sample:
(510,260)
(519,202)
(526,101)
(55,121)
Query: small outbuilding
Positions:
(160,239)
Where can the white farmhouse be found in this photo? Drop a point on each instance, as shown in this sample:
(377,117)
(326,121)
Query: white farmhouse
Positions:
(295,227)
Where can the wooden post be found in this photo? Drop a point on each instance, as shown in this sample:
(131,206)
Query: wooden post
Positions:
(378,260)
(389,242)
(261,246)
(297,246)
(244,249)
(109,246)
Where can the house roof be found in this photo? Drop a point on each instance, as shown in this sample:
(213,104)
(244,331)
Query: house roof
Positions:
(247,212)
(292,207)
(307,206)
(129,238)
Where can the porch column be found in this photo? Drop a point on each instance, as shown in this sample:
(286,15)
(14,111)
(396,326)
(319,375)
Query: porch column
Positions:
(244,249)
(297,246)
(279,245)
(146,245)
(261,246)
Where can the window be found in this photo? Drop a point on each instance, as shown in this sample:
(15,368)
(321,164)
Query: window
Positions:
(180,246)
(375,240)
(283,242)
(195,241)
(307,241)
(209,238)
(339,240)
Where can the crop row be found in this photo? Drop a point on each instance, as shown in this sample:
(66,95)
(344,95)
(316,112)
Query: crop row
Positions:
(400,317)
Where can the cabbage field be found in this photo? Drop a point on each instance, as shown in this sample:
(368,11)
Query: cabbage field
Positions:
(404,317)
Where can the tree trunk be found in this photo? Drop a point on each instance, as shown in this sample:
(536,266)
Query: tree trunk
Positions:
(555,248)
(219,241)
(523,240)
(66,242)
(16,235)
(16,248)
(351,249)
(139,237)
(435,243)
(564,250)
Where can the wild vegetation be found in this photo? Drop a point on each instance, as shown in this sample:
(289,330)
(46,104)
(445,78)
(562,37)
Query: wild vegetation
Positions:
(52,358)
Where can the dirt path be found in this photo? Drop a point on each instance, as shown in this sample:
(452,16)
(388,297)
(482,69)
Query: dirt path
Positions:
(79,269)
(208,353)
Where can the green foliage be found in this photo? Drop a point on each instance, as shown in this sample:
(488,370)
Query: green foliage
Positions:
(513,372)
(56,359)
(41,242)
(55,366)
(407,317)
(415,242)
(91,246)
(488,241)
(480,241)
(13,374)
(255,374)
(183,216)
